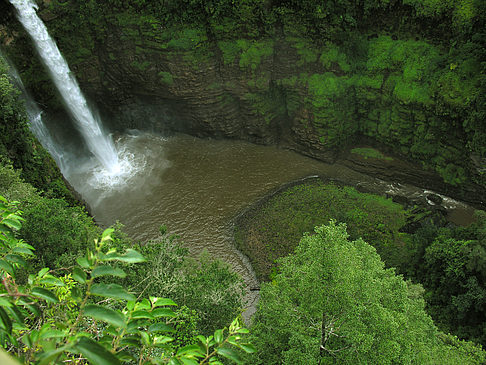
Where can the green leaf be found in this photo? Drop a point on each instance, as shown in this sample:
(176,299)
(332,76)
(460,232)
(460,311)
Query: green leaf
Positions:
(12,223)
(4,265)
(42,272)
(162,340)
(44,294)
(145,338)
(203,342)
(160,327)
(114,291)
(27,340)
(134,325)
(215,361)
(5,321)
(24,250)
(16,259)
(130,256)
(192,350)
(126,357)
(51,333)
(247,347)
(187,361)
(4,302)
(52,280)
(76,294)
(158,302)
(133,341)
(49,356)
(144,304)
(105,270)
(232,340)
(163,312)
(83,262)
(16,314)
(105,314)
(95,353)
(142,314)
(229,354)
(79,275)
(242,330)
(106,236)
(218,336)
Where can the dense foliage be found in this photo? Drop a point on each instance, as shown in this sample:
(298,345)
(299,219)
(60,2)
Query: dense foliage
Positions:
(274,228)
(19,147)
(78,316)
(450,263)
(447,260)
(333,301)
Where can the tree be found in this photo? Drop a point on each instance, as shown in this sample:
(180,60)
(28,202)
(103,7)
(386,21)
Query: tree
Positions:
(334,302)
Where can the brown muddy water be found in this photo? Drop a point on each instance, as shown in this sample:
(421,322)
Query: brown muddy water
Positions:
(197,186)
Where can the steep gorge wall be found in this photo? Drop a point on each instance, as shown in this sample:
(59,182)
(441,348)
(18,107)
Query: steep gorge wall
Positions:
(415,97)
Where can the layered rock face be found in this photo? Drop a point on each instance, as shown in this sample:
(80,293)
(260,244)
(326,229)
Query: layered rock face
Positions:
(406,95)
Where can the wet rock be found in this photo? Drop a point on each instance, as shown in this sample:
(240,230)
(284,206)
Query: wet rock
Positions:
(434,199)
(47,15)
(400,199)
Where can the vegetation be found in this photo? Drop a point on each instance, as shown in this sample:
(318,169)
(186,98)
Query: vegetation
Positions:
(274,228)
(449,262)
(410,75)
(332,301)
(368,152)
(19,147)
(78,316)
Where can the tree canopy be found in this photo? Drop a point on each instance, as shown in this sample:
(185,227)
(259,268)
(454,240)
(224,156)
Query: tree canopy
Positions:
(334,302)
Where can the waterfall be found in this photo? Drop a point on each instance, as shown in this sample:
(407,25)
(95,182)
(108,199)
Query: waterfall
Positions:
(99,143)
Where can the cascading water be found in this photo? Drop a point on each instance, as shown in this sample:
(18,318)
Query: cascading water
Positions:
(89,126)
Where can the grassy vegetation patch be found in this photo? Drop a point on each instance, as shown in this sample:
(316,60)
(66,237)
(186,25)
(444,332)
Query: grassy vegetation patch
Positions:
(368,152)
(272,228)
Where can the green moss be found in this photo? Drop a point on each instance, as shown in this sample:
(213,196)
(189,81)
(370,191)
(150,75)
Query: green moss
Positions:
(332,56)
(411,92)
(371,82)
(166,78)
(330,100)
(253,52)
(371,153)
(140,66)
(187,39)
(326,85)
(230,50)
(307,51)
